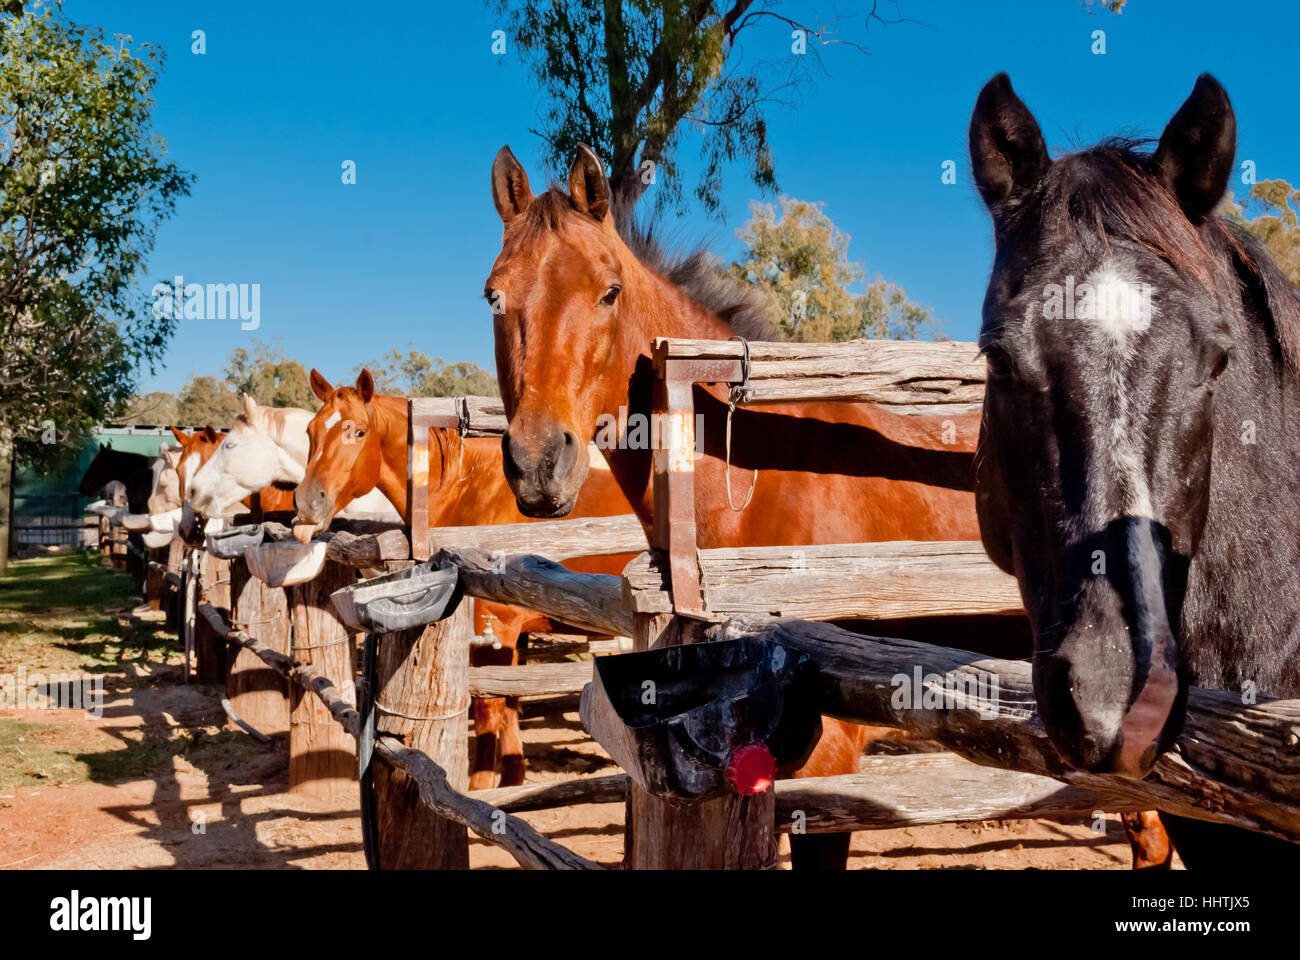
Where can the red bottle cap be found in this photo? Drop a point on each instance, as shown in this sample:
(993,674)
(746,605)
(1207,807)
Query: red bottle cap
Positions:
(752,769)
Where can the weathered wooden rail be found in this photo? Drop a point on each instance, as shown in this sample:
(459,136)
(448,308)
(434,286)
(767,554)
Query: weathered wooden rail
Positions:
(1233,763)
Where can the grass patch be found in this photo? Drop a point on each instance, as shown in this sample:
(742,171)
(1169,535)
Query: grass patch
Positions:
(70,612)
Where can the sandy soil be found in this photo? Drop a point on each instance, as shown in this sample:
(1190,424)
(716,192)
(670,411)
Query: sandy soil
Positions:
(224,804)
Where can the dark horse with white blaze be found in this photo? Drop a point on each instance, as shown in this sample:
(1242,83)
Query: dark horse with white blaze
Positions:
(1139,460)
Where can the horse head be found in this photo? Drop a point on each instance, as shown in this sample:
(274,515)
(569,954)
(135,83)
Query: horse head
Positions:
(265,447)
(1105,329)
(345,455)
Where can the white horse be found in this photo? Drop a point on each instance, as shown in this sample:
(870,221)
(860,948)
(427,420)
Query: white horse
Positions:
(164,499)
(266,446)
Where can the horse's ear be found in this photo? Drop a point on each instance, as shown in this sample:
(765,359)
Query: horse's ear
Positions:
(172,456)
(209,434)
(250,407)
(320,386)
(181,436)
(588,186)
(365,385)
(1195,154)
(510,191)
(1007,152)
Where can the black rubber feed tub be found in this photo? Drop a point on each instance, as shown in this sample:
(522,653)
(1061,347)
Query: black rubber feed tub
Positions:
(398,601)
(233,541)
(690,722)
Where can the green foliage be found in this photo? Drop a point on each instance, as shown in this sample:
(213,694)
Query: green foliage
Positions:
(1270,214)
(84,184)
(416,374)
(155,408)
(629,78)
(801,259)
(270,377)
(207,400)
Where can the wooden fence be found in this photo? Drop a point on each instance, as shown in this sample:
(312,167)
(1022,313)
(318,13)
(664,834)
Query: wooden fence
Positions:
(1233,763)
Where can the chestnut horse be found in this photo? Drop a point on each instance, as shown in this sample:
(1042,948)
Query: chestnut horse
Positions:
(575,306)
(358,444)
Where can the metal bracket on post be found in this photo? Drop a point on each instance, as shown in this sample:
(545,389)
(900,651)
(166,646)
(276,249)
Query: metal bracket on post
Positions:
(674,527)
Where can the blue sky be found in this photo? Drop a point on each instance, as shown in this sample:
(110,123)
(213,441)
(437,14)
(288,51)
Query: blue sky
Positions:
(412,93)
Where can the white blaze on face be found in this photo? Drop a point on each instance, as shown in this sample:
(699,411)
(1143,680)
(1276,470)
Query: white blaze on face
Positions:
(332,419)
(1120,307)
(1121,310)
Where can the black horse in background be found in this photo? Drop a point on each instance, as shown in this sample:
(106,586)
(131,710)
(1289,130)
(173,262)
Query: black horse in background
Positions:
(135,470)
(1139,461)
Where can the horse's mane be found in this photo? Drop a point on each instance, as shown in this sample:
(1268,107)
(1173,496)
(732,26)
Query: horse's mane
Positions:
(1112,191)
(697,273)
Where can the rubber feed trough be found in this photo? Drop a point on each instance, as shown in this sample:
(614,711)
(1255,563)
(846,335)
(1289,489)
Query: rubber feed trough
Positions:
(690,722)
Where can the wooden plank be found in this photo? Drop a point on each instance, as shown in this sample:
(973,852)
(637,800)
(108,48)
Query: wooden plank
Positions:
(931,788)
(591,601)
(257,693)
(421,700)
(887,793)
(478,416)
(322,758)
(524,843)
(879,581)
(367,550)
(515,836)
(909,374)
(531,680)
(1233,763)
(553,539)
(210,648)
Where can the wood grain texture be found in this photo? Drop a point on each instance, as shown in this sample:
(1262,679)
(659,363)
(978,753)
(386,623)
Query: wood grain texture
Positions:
(553,539)
(257,693)
(591,601)
(1234,763)
(889,792)
(531,680)
(422,701)
(911,375)
(482,416)
(210,647)
(322,757)
(879,581)
(513,835)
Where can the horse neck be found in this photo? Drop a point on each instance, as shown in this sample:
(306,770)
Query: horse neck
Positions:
(467,485)
(652,307)
(389,424)
(1249,555)
(287,427)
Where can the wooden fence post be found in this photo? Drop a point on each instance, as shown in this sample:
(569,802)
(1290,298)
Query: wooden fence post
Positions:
(210,646)
(322,755)
(173,596)
(727,833)
(258,694)
(422,698)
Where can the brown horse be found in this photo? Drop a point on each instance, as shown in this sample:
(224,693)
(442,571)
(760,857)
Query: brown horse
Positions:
(575,306)
(196,450)
(358,443)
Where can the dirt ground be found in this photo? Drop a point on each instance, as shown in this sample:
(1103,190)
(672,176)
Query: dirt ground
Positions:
(157,782)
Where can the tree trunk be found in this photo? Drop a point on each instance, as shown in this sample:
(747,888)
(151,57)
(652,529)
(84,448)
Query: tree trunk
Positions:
(6,494)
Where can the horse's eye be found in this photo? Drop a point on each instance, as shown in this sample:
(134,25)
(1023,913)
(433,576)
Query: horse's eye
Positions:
(1000,367)
(611,295)
(360,434)
(1220,365)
